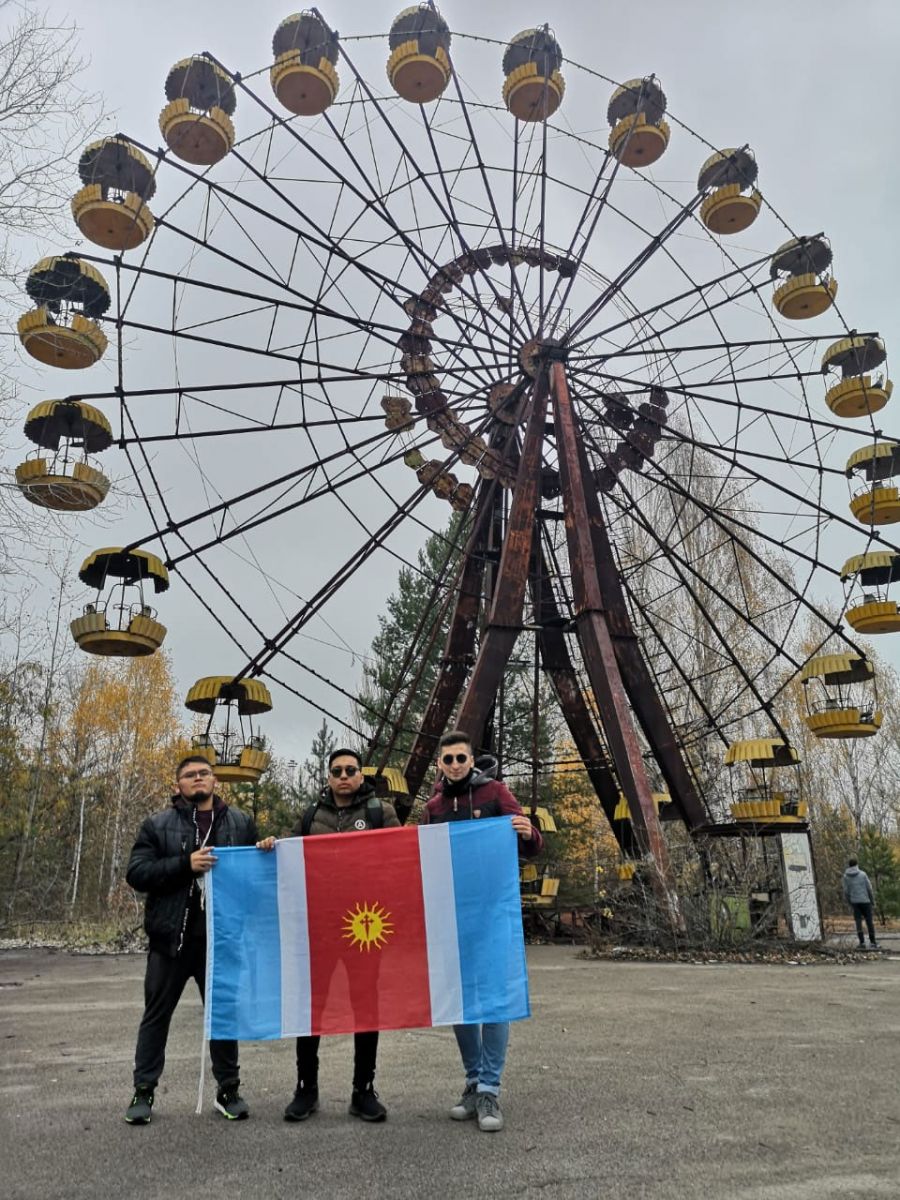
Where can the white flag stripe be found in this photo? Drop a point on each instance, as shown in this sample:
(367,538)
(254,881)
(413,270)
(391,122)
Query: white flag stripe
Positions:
(296,1016)
(444,980)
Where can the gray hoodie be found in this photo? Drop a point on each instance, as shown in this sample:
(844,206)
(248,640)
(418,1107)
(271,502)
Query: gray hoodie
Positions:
(857,889)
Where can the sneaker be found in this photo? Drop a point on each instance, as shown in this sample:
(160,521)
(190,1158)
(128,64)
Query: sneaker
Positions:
(464,1110)
(490,1118)
(364,1103)
(231,1104)
(303,1105)
(140,1110)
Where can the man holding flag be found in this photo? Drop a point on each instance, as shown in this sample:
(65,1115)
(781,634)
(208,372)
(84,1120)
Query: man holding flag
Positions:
(463,793)
(347,805)
(170,862)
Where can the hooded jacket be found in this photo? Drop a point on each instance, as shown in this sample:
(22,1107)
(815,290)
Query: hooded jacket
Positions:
(160,864)
(349,818)
(857,889)
(479,795)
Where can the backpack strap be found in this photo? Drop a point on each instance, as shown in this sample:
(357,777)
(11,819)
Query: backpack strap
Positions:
(309,815)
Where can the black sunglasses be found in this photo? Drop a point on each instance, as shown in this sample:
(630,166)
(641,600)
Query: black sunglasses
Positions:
(449,759)
(337,772)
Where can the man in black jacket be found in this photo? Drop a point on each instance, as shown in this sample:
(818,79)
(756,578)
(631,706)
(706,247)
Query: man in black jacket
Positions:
(347,805)
(169,861)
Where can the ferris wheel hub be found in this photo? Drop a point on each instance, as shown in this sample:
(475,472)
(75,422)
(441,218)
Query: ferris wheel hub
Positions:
(538,351)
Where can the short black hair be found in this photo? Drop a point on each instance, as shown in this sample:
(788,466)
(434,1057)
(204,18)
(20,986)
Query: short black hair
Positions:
(453,738)
(853,862)
(340,754)
(193,758)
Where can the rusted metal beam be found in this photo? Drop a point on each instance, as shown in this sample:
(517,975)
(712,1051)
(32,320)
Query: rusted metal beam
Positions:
(505,620)
(582,511)
(557,662)
(459,649)
(641,687)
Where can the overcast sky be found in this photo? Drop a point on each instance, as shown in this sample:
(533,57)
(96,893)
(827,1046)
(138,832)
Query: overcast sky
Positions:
(811,85)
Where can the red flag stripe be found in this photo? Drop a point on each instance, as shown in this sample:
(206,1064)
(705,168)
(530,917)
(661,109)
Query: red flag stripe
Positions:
(367,943)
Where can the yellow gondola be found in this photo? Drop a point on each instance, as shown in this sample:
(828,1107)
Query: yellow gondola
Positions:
(623,813)
(872,574)
(110,208)
(196,123)
(840,696)
(764,773)
(231,746)
(859,393)
(533,87)
(806,289)
(65,482)
(638,135)
(121,623)
(61,331)
(877,501)
(734,203)
(303,75)
(419,64)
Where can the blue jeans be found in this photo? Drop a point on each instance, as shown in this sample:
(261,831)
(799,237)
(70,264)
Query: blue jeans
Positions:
(483,1051)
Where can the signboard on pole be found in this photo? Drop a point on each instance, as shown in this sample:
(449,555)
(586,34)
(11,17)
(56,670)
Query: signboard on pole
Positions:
(801,903)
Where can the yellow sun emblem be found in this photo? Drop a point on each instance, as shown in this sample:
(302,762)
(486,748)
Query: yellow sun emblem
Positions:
(368,926)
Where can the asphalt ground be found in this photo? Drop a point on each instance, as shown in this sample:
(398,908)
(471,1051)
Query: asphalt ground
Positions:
(732,1082)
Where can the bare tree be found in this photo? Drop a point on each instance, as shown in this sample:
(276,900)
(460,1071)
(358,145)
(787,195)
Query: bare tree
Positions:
(45,121)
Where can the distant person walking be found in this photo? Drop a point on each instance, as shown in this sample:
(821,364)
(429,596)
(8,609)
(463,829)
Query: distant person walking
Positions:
(858,894)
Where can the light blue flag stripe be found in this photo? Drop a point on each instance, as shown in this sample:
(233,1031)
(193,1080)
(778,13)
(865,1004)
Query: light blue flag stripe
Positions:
(244,976)
(491,949)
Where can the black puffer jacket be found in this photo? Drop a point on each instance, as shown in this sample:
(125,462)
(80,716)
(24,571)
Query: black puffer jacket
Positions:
(160,864)
(349,818)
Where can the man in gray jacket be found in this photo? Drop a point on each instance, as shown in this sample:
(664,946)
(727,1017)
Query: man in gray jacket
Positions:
(858,894)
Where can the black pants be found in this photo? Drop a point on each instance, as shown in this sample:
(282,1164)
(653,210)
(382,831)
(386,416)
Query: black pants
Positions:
(365,1050)
(860,912)
(163,985)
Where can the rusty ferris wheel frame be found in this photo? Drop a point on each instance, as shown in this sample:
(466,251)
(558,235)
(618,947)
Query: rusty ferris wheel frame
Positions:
(565,396)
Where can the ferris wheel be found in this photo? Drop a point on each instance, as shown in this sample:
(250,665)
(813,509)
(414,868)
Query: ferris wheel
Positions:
(353,295)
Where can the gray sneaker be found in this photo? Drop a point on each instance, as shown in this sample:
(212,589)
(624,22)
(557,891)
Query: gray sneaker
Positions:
(464,1109)
(490,1118)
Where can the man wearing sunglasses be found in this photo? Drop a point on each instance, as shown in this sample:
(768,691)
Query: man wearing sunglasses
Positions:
(169,862)
(464,792)
(346,805)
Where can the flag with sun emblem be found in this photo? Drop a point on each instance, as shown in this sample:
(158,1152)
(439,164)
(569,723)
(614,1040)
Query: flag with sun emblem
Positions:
(384,929)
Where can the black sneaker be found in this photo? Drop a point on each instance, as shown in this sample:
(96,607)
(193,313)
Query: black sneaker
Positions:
(303,1105)
(140,1110)
(364,1103)
(231,1104)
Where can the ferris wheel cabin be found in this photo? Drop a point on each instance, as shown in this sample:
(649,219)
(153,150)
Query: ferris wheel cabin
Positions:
(229,743)
(110,209)
(121,623)
(196,123)
(61,331)
(66,481)
(419,64)
(303,75)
